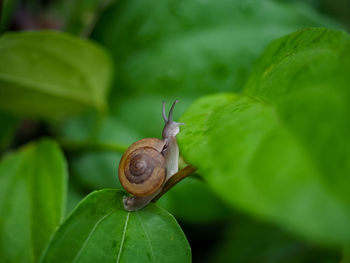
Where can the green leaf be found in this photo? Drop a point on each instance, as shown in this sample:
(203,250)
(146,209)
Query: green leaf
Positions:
(100,230)
(305,76)
(55,74)
(281,151)
(32,198)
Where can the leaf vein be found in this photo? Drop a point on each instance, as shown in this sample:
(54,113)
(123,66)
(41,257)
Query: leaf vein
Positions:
(123,237)
(90,235)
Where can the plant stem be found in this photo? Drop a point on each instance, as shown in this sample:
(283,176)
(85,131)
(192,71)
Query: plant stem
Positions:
(189,169)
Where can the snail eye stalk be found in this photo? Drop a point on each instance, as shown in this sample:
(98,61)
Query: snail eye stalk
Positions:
(165,118)
(170,118)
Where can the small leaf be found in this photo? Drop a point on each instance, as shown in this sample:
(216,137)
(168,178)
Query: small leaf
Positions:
(32,198)
(100,230)
(55,74)
(281,151)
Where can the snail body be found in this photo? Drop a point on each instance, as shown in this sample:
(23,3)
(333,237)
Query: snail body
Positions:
(148,163)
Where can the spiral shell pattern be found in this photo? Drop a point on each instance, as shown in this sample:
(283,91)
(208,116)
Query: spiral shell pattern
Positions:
(142,168)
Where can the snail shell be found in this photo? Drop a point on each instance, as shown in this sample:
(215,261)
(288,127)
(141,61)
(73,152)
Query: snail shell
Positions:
(142,168)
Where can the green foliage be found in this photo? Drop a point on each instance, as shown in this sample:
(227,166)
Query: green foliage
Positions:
(32,198)
(281,150)
(186,49)
(100,230)
(190,48)
(54,73)
(96,131)
(276,150)
(192,201)
(139,111)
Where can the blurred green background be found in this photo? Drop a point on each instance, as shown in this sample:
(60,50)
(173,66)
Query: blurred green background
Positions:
(140,53)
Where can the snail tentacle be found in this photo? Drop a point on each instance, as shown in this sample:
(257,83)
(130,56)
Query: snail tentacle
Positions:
(170,117)
(165,118)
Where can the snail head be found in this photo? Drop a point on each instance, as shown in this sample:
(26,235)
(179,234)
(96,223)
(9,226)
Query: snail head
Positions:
(171,128)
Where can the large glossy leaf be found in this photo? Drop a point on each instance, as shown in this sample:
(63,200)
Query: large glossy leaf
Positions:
(55,74)
(100,230)
(32,199)
(281,151)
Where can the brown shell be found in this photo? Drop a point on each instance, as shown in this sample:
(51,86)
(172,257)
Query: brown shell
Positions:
(142,169)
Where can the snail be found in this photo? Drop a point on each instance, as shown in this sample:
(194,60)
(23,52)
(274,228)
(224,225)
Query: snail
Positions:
(149,163)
